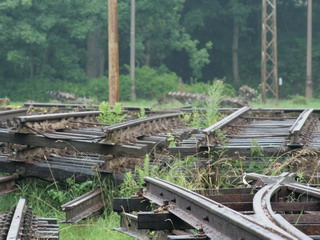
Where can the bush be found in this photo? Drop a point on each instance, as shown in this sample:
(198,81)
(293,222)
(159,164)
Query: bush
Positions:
(299,100)
(152,83)
(199,87)
(203,88)
(36,89)
(98,88)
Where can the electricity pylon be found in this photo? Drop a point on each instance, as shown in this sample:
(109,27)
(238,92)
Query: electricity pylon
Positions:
(269,56)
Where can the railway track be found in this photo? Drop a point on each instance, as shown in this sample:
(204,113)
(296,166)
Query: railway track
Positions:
(21,224)
(272,208)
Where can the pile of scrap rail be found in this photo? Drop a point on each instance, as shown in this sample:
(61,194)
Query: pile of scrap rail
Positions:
(76,143)
(273,130)
(269,208)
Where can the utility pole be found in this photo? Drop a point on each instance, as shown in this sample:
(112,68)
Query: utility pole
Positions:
(133,50)
(113,52)
(269,56)
(309,90)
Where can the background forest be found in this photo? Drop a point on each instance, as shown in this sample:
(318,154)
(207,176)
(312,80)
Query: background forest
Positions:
(61,46)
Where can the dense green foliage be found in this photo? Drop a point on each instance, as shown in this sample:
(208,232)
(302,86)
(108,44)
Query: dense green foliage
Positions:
(61,46)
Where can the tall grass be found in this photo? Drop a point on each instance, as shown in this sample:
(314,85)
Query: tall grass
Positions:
(40,197)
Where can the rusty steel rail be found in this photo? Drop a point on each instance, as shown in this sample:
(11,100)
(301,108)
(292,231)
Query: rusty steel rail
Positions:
(140,121)
(64,105)
(275,207)
(53,168)
(225,121)
(8,184)
(75,143)
(84,206)
(204,214)
(21,223)
(297,126)
(10,114)
(55,116)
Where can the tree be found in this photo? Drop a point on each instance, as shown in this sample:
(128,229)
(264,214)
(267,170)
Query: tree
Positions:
(45,38)
(239,11)
(159,31)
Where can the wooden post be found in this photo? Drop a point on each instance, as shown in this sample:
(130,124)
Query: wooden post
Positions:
(309,84)
(113,47)
(133,50)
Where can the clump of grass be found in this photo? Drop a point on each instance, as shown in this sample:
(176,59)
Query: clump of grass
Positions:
(211,107)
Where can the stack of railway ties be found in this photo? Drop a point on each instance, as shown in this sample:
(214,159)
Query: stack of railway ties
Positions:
(59,141)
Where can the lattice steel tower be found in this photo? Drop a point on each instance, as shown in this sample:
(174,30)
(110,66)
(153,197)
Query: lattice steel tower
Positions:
(269,58)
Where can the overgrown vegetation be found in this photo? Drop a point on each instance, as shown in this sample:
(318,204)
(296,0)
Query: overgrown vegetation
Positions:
(45,200)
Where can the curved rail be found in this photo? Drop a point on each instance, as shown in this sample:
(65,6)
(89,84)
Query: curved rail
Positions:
(216,220)
(263,210)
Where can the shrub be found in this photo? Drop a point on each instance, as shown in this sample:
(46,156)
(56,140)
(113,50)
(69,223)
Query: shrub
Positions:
(299,100)
(201,87)
(151,83)
(36,89)
(98,88)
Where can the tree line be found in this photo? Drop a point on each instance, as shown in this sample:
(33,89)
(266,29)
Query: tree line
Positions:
(62,44)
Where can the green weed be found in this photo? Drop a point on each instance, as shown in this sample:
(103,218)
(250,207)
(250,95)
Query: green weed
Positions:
(210,115)
(72,190)
(111,115)
(142,113)
(171,140)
